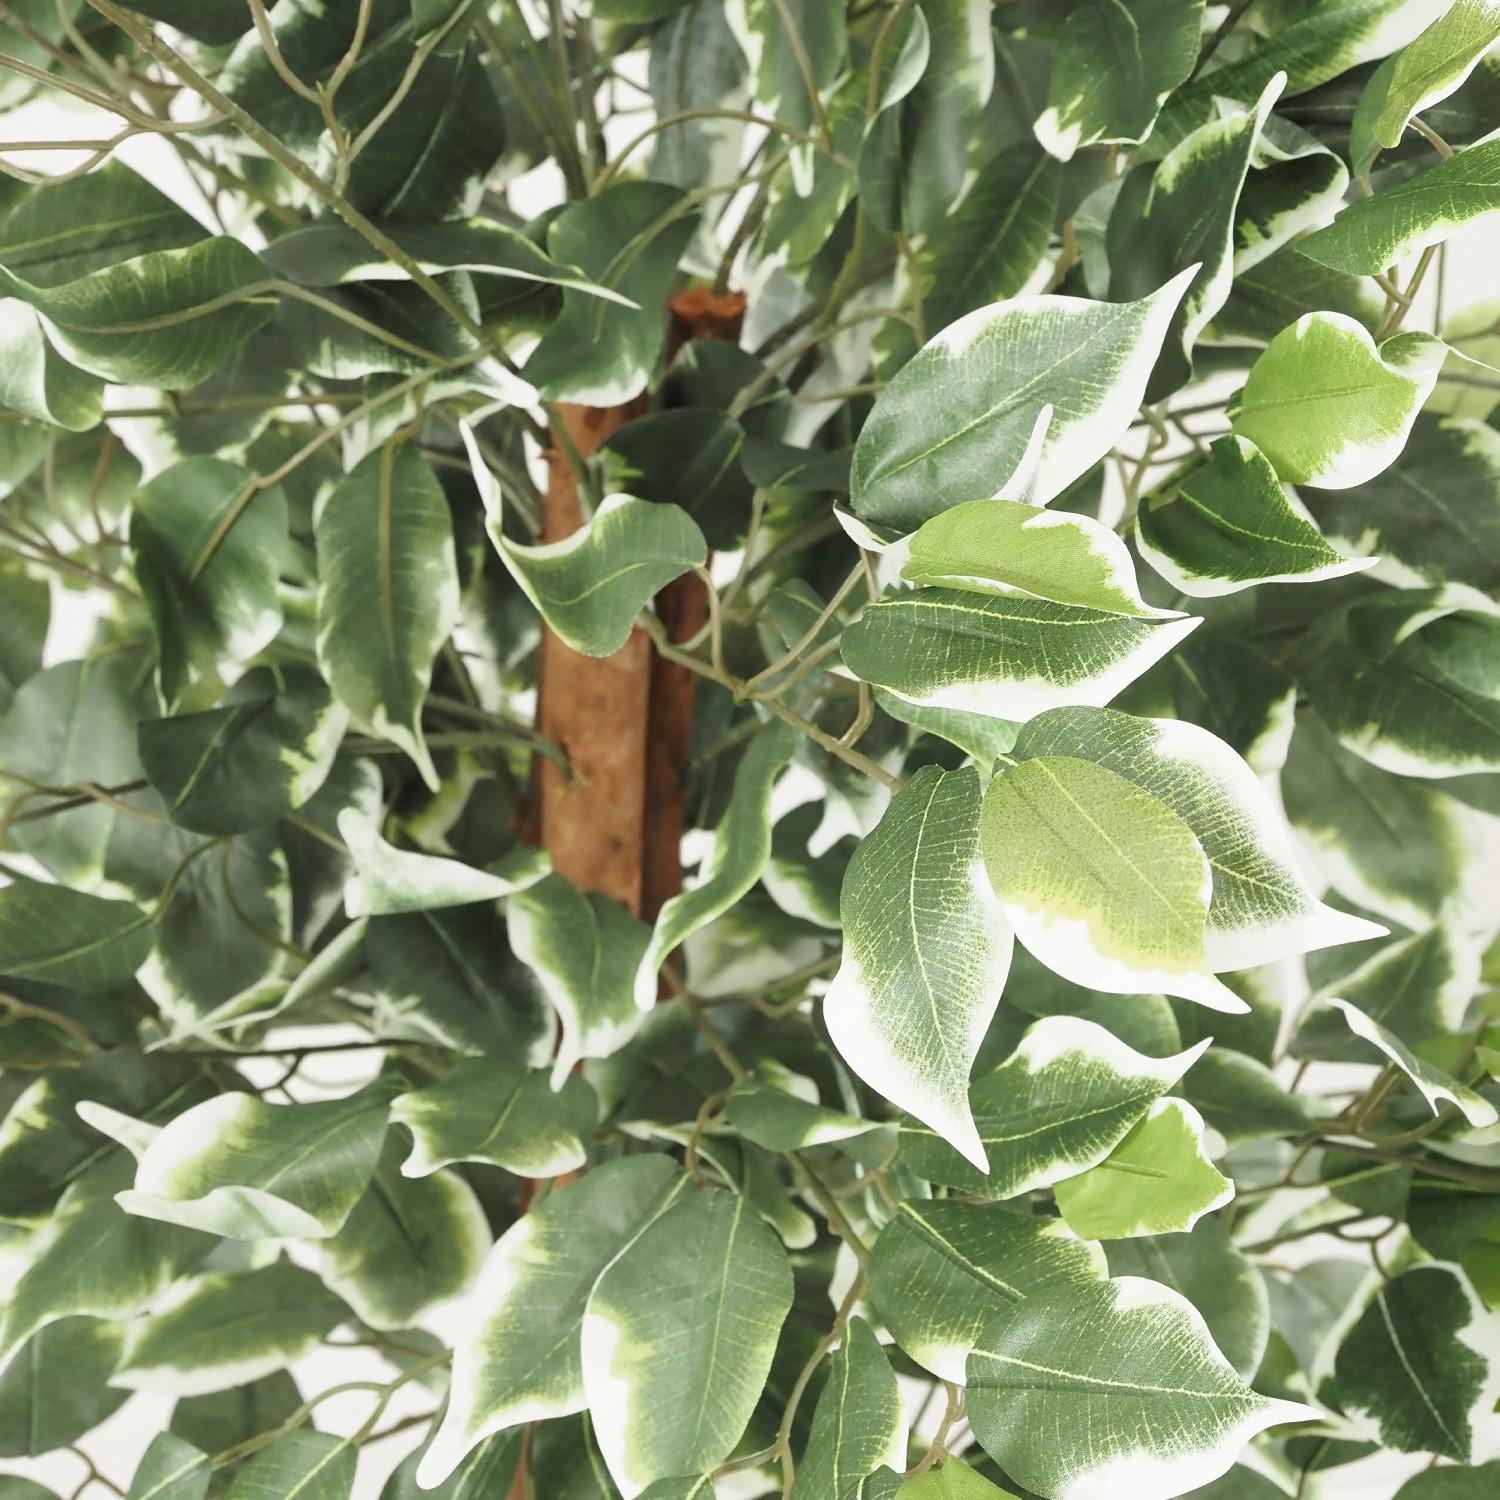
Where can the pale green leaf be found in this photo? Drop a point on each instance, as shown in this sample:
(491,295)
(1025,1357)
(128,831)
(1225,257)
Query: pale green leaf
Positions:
(1260,908)
(1229,525)
(63,936)
(1004,546)
(678,1338)
(958,419)
(1115,63)
(1452,1483)
(1422,1365)
(984,738)
(165,319)
(1002,657)
(171,1470)
(1434,1085)
(1158,1180)
(779,1110)
(1329,408)
(207,545)
(1058,1105)
(243,1168)
(1423,73)
(492,1109)
(1101,880)
(387,593)
(940,1271)
(926,952)
(742,845)
(1223,1284)
(1090,1393)
(225,1330)
(56,1386)
(299,1465)
(779,40)
(1382,231)
(857,1425)
(518,1358)
(409,1245)
(36,381)
(388,880)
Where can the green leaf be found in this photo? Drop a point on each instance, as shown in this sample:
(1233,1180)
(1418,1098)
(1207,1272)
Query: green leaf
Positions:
(959,418)
(171,1470)
(1229,526)
(978,735)
(1382,231)
(628,239)
(1421,1364)
(1113,1389)
(1434,1085)
(222,1419)
(1114,65)
(678,1338)
(1451,1483)
(780,40)
(1295,183)
(1433,516)
(36,381)
(243,1168)
(207,545)
(1329,408)
(1158,1180)
(1260,908)
(387,593)
(410,1244)
(779,1111)
(1275,292)
(299,1465)
(1004,546)
(1391,844)
(1182,213)
(941,1270)
(165,319)
(857,1424)
(44,1145)
(90,223)
(517,1359)
(388,880)
(490,1470)
(243,766)
(926,952)
(1224,1285)
(1006,658)
(97,1260)
(1058,1105)
(226,1330)
(1101,880)
(1423,73)
(742,845)
(1241,1099)
(67,937)
(590,586)
(491,1109)
(55,1387)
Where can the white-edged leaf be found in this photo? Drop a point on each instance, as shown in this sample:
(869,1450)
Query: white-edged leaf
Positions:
(926,952)
(1004,658)
(678,1338)
(779,1110)
(1260,909)
(941,1269)
(226,1330)
(1101,880)
(245,1169)
(584,950)
(1229,526)
(518,1359)
(387,592)
(1158,1180)
(493,1109)
(388,880)
(1058,1105)
(742,845)
(857,1424)
(1005,547)
(1096,1392)
(1329,408)
(958,418)
(1434,1085)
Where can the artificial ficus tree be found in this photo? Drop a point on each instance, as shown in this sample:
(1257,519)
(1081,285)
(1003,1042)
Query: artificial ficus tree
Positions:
(849,652)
